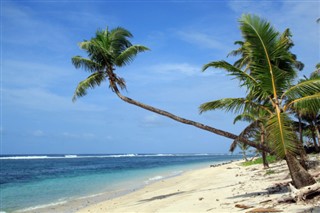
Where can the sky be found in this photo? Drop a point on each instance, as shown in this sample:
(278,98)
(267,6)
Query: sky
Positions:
(39,38)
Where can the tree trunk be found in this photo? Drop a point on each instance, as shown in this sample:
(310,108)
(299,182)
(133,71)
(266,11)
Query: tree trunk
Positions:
(318,135)
(302,152)
(300,177)
(189,122)
(316,147)
(264,155)
(300,130)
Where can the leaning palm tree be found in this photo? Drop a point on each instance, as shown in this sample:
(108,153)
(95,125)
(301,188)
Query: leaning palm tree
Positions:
(111,49)
(270,69)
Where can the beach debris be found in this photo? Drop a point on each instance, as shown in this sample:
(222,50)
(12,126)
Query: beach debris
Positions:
(263,210)
(242,206)
(302,194)
(201,198)
(266,201)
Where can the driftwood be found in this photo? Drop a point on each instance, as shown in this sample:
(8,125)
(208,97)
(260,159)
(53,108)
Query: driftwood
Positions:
(302,194)
(264,210)
(242,206)
(299,195)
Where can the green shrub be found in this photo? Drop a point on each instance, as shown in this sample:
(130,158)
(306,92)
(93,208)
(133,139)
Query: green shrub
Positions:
(270,159)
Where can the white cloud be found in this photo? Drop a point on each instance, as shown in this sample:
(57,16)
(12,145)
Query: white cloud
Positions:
(174,71)
(152,120)
(177,68)
(202,39)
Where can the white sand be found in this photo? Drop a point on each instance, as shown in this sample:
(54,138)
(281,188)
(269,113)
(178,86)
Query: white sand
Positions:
(216,189)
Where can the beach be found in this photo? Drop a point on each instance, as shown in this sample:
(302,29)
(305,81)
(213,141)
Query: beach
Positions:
(225,188)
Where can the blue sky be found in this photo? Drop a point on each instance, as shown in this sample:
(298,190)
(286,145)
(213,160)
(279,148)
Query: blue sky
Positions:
(39,38)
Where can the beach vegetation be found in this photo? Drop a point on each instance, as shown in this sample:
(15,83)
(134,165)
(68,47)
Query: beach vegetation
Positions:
(255,131)
(270,172)
(270,159)
(268,69)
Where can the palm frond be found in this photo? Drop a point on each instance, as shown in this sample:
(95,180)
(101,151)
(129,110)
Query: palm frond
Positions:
(304,96)
(311,103)
(129,54)
(92,81)
(249,132)
(235,105)
(232,70)
(86,64)
(269,54)
(248,117)
(280,135)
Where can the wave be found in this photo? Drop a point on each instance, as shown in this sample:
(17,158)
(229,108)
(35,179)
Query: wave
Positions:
(71,156)
(32,157)
(42,206)
(22,157)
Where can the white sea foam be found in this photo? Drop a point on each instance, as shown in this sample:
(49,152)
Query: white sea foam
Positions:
(71,156)
(42,206)
(122,155)
(156,178)
(31,157)
(23,157)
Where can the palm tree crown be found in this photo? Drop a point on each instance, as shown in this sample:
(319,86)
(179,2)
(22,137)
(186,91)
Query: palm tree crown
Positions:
(106,51)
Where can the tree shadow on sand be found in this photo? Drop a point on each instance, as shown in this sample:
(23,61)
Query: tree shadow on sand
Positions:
(160,197)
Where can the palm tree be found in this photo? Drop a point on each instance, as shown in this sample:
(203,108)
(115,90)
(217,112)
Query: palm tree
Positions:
(270,69)
(255,130)
(111,49)
(309,117)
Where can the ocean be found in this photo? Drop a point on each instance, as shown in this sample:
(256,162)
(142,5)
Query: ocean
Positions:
(34,182)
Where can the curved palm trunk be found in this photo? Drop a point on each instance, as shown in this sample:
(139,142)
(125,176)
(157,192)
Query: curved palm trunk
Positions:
(300,177)
(189,122)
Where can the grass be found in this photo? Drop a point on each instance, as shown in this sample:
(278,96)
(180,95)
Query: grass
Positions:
(270,172)
(270,159)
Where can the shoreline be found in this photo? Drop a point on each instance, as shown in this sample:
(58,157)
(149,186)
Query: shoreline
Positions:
(76,204)
(222,188)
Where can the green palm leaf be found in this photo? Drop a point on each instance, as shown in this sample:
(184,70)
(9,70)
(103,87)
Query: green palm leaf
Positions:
(280,135)
(106,51)
(92,81)
(233,71)
(86,64)
(311,102)
(249,132)
(236,105)
(129,54)
(304,88)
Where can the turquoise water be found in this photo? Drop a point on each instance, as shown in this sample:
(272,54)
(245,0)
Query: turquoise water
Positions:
(32,182)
